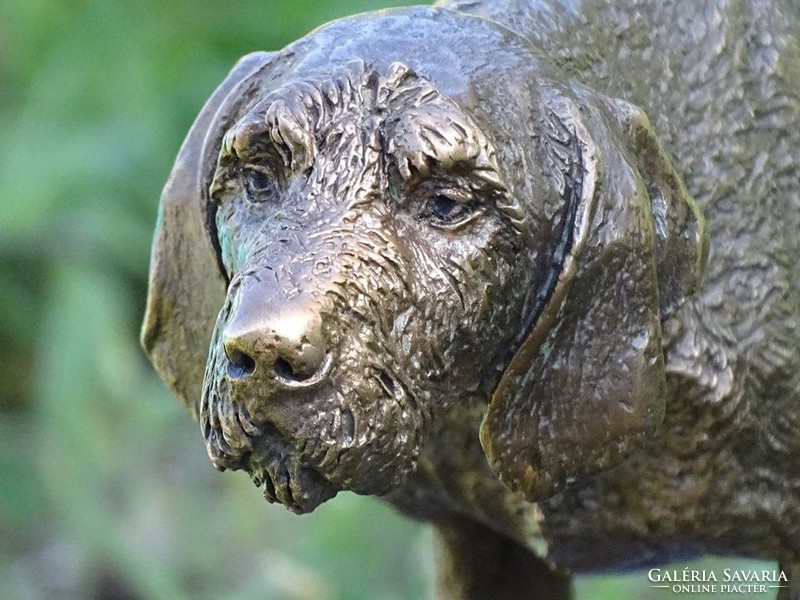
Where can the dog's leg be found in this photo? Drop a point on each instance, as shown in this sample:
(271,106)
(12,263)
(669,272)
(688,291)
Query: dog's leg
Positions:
(475,563)
(792,570)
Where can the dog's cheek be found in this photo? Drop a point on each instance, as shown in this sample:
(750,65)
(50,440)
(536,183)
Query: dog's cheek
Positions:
(471,322)
(364,434)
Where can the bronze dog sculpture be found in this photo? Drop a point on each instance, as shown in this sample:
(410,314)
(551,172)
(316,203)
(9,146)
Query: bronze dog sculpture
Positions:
(435,236)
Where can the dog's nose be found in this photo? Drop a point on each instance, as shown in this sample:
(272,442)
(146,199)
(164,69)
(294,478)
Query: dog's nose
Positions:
(284,344)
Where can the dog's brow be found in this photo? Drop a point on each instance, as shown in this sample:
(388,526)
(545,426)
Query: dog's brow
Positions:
(289,124)
(425,132)
(439,138)
(283,141)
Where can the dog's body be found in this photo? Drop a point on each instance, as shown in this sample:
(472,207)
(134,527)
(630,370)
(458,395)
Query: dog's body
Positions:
(445,236)
(719,84)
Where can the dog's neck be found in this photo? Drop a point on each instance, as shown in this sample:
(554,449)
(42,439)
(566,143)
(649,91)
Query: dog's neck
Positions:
(453,477)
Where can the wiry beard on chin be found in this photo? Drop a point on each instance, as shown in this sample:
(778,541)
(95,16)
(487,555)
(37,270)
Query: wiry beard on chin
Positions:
(273,464)
(276,469)
(234,441)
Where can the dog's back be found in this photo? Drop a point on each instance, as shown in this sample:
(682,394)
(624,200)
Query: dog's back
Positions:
(719,82)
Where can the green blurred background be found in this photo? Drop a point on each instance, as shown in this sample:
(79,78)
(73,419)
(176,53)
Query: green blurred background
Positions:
(105,489)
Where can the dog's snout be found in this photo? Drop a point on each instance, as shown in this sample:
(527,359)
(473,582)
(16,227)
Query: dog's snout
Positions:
(285,345)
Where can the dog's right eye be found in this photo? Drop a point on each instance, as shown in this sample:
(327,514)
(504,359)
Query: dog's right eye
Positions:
(449,210)
(260,186)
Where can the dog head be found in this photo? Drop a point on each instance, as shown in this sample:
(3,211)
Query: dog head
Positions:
(397,213)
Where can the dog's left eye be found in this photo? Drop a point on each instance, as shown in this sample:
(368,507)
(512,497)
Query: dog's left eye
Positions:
(447,212)
(260,186)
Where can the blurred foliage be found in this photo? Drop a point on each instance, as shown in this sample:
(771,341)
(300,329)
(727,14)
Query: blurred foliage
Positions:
(105,490)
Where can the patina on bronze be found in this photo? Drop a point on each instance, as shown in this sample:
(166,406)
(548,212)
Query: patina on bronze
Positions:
(435,236)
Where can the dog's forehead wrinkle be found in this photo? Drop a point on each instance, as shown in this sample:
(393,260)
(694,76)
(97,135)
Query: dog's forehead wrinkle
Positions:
(419,137)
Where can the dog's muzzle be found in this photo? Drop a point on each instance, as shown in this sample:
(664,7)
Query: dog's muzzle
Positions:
(272,354)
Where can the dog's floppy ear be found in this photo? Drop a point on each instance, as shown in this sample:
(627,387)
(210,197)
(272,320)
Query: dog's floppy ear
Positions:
(186,287)
(587,382)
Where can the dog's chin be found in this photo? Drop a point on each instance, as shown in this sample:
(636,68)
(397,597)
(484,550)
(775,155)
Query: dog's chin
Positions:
(277,470)
(303,457)
(299,487)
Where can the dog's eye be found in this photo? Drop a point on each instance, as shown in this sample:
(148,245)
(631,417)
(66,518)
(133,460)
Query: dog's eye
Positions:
(260,186)
(448,212)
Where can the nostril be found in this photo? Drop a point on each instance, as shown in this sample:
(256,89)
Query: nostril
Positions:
(295,373)
(240,364)
(302,373)
(285,370)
